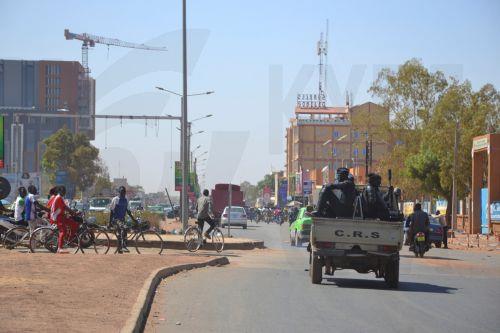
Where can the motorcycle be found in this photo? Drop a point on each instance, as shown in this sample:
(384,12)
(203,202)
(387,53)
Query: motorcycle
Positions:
(420,245)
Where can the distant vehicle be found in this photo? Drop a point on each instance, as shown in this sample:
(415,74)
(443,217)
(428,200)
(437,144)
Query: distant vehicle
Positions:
(99,204)
(220,198)
(300,229)
(135,205)
(238,217)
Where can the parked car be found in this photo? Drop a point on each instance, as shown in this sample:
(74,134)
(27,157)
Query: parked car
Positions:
(238,217)
(99,204)
(300,229)
(435,232)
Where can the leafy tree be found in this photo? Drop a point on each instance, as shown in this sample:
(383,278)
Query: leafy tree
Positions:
(267,181)
(102,183)
(426,110)
(250,192)
(74,154)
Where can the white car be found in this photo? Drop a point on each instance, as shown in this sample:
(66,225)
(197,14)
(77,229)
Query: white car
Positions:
(99,204)
(238,217)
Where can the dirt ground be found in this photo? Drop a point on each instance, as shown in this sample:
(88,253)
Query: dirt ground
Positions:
(74,293)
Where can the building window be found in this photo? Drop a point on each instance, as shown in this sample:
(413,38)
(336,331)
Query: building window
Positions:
(356,134)
(355,152)
(335,151)
(336,134)
(363,152)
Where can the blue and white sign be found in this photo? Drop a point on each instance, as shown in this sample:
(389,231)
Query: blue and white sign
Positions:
(307,187)
(495,211)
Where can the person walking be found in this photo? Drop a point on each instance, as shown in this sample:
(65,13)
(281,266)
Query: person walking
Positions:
(444,224)
(204,209)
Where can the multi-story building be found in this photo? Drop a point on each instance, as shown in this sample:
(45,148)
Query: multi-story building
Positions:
(29,89)
(333,137)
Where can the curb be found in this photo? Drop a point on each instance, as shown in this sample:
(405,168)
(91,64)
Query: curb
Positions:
(179,245)
(140,311)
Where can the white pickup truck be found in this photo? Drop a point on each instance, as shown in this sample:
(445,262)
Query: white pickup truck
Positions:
(365,245)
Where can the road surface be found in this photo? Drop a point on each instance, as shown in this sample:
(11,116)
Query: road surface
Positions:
(270,291)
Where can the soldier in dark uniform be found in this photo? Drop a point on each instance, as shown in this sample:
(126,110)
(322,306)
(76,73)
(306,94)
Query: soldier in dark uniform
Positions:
(374,205)
(332,205)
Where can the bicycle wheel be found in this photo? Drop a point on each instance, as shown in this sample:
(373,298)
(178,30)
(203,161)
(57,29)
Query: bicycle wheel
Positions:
(101,241)
(192,239)
(218,240)
(148,239)
(15,237)
(44,239)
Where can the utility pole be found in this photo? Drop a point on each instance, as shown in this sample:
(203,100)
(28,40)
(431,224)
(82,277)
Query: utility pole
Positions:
(184,125)
(229,210)
(454,182)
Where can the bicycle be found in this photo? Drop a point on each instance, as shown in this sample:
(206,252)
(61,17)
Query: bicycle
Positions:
(20,236)
(87,236)
(193,238)
(141,234)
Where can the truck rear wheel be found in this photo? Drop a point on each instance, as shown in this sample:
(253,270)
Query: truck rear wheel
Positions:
(316,270)
(391,275)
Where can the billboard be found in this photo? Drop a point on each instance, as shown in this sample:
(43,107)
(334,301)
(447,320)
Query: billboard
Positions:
(2,132)
(17,180)
(178,176)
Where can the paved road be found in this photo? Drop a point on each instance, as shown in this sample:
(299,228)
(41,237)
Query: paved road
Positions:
(270,291)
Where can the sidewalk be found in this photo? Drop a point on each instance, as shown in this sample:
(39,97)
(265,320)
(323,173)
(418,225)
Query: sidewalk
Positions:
(75,293)
(474,242)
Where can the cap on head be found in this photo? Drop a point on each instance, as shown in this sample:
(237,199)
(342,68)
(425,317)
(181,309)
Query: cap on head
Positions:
(205,192)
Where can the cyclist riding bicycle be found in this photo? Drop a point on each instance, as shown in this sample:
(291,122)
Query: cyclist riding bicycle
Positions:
(204,208)
(119,208)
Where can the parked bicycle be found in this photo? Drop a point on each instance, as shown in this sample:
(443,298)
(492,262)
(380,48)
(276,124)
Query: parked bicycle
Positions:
(193,239)
(20,236)
(141,235)
(88,236)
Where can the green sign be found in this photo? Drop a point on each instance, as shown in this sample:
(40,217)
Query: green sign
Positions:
(1,143)
(178,176)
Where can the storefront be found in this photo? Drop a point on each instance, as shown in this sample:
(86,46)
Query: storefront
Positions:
(486,184)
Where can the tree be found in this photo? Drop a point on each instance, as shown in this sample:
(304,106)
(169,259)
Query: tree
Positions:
(103,183)
(73,154)
(250,192)
(267,181)
(426,109)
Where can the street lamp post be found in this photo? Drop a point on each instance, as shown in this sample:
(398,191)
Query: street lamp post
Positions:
(185,125)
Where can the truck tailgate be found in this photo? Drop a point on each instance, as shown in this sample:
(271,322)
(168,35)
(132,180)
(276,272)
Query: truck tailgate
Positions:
(359,232)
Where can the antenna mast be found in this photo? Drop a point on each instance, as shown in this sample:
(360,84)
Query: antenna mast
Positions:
(323,61)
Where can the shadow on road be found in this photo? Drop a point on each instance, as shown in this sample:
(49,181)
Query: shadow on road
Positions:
(428,257)
(380,284)
(205,254)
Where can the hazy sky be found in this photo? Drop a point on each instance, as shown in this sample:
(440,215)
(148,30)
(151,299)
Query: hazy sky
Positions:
(250,53)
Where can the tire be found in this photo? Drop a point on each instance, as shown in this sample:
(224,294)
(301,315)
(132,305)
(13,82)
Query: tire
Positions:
(316,270)
(148,239)
(192,239)
(86,240)
(16,237)
(244,227)
(438,244)
(44,239)
(298,241)
(101,241)
(218,240)
(391,275)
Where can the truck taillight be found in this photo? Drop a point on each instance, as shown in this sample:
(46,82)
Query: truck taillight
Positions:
(325,245)
(387,248)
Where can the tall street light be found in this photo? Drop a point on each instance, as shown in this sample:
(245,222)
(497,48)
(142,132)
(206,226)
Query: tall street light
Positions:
(184,123)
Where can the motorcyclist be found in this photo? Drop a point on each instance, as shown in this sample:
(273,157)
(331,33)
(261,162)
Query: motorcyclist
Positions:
(374,205)
(419,222)
(331,205)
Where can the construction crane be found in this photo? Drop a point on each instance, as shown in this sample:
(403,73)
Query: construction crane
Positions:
(90,41)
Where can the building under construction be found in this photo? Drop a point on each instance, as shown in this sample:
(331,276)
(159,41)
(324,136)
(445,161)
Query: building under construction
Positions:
(41,87)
